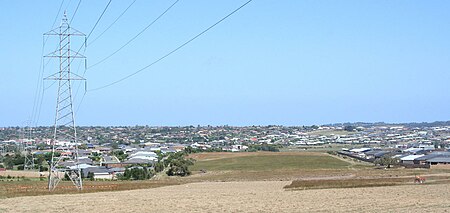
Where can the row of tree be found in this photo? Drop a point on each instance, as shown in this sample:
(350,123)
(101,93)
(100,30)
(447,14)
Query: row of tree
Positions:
(9,161)
(136,173)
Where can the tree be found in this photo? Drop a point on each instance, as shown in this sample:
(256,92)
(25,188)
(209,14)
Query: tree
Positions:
(188,150)
(83,146)
(159,166)
(119,154)
(180,167)
(115,145)
(136,173)
(90,175)
(66,177)
(9,164)
(387,161)
(349,128)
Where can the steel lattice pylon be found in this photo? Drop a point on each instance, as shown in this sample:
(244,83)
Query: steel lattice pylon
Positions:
(26,146)
(64,126)
(27,151)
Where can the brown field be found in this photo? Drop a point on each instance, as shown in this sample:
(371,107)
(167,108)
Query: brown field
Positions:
(251,196)
(27,174)
(354,182)
(248,182)
(9,189)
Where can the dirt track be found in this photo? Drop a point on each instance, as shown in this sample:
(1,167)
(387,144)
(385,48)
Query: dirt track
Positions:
(263,196)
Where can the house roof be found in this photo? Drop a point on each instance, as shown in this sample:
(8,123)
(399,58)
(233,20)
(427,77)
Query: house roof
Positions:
(85,161)
(426,157)
(137,161)
(434,155)
(115,169)
(144,158)
(84,151)
(143,153)
(411,157)
(439,160)
(360,150)
(94,169)
(381,153)
(81,166)
(373,152)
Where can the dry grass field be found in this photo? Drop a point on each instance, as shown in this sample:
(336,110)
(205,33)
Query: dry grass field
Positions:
(248,182)
(9,189)
(26,174)
(247,196)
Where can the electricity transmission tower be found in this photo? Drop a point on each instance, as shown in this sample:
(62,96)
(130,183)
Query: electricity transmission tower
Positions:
(65,133)
(27,149)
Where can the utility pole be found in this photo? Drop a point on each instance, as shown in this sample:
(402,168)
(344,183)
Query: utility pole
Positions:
(64,132)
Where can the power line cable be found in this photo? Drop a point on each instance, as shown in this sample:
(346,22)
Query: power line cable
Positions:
(38,83)
(78,88)
(38,95)
(68,4)
(174,50)
(95,39)
(84,43)
(132,39)
(162,14)
(98,20)
(76,10)
(92,30)
(82,98)
(57,15)
(40,103)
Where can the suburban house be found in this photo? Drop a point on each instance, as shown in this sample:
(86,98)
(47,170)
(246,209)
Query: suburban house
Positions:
(439,162)
(409,159)
(102,173)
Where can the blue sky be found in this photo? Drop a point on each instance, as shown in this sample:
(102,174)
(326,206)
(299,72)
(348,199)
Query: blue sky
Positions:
(299,62)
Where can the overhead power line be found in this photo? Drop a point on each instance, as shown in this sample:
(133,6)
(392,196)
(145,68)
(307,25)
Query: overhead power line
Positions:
(120,16)
(98,20)
(57,15)
(174,50)
(84,44)
(76,10)
(132,39)
(92,30)
(37,94)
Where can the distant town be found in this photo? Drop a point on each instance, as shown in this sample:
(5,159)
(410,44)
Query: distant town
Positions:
(107,152)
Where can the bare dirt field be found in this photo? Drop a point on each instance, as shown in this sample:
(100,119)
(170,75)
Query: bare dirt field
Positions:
(250,196)
(27,174)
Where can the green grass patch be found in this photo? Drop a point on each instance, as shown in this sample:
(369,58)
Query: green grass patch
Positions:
(280,161)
